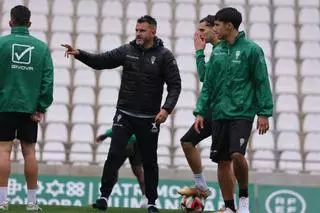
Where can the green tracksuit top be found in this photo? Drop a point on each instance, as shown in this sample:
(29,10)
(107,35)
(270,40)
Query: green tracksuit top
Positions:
(202,66)
(236,85)
(26,70)
(131,140)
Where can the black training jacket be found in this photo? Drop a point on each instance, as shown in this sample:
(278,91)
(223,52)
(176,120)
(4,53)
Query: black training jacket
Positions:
(143,77)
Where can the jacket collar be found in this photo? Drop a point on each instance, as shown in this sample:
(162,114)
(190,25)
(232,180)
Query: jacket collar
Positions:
(20,30)
(157,42)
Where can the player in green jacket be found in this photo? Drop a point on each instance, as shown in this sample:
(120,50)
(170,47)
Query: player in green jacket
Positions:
(134,159)
(26,87)
(236,89)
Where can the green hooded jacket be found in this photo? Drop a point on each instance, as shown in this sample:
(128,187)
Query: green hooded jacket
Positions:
(26,70)
(236,85)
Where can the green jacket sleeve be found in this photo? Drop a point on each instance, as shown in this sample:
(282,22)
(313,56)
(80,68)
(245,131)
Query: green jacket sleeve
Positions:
(203,104)
(46,88)
(108,133)
(201,64)
(262,85)
(132,139)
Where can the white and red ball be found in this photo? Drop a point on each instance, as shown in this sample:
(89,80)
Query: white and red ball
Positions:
(192,204)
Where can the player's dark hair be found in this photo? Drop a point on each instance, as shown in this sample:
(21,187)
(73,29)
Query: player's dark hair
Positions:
(209,19)
(149,19)
(229,14)
(20,15)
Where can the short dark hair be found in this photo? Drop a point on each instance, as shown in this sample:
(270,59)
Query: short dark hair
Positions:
(209,19)
(20,15)
(229,14)
(149,19)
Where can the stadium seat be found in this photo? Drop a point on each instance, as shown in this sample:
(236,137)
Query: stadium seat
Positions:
(310,85)
(285,49)
(311,142)
(82,133)
(180,162)
(60,95)
(59,60)
(265,45)
(185,28)
(111,26)
(262,142)
(186,99)
(39,22)
(83,95)
(286,84)
(183,117)
(5,18)
(112,9)
(108,96)
(287,103)
(56,133)
(39,35)
(87,42)
(311,123)
(312,163)
(166,42)
(106,114)
(58,38)
(110,78)
(57,113)
(61,24)
(284,15)
(161,10)
(186,63)
(86,25)
(163,151)
(109,42)
(310,50)
(310,32)
(260,31)
(259,14)
(286,67)
(290,162)
(87,8)
(208,8)
(288,141)
(308,3)
(53,153)
(164,29)
(81,154)
(102,152)
(184,46)
(9,4)
(39,6)
(178,133)
(165,137)
(278,3)
(164,162)
(236,2)
(85,77)
(136,9)
(64,7)
(185,12)
(311,104)
(189,81)
(287,122)
(284,32)
(309,16)
(310,67)
(82,114)
(40,134)
(263,160)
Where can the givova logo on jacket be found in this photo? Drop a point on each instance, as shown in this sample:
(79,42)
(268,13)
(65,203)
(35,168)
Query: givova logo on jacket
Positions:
(21,55)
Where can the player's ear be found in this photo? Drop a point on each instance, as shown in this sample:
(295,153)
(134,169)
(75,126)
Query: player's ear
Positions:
(11,23)
(29,24)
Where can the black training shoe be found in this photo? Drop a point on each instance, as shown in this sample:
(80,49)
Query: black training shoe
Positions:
(153,209)
(100,204)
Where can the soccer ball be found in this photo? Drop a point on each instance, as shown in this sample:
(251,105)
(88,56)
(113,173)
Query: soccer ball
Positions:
(192,204)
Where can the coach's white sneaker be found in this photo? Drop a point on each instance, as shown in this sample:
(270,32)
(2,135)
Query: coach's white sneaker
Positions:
(33,207)
(243,205)
(4,206)
(144,202)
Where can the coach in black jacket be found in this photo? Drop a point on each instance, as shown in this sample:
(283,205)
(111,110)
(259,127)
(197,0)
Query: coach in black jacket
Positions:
(147,65)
